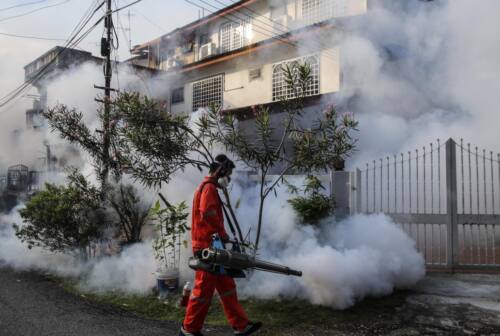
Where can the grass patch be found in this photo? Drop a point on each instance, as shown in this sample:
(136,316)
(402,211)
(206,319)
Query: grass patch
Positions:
(281,317)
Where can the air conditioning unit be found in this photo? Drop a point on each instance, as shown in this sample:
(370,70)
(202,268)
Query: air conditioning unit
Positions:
(174,61)
(207,50)
(170,62)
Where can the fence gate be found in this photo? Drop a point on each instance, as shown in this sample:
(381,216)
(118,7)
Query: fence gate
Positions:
(445,196)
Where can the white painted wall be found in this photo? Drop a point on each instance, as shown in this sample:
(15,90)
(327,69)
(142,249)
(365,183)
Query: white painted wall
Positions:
(241,91)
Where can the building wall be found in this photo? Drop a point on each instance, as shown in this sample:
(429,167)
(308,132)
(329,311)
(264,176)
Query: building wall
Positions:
(263,20)
(241,91)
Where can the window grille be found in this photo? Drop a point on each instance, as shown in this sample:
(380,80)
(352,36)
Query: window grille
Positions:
(208,91)
(232,36)
(281,90)
(314,11)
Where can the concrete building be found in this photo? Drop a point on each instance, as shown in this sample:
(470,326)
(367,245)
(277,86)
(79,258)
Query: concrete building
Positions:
(45,69)
(234,56)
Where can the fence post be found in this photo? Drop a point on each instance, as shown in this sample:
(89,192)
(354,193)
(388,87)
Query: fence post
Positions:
(451,204)
(341,193)
(358,188)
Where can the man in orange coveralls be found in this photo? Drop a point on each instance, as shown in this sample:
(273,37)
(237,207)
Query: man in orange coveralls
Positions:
(207,219)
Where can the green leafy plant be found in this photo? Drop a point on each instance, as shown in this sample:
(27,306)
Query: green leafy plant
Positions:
(314,205)
(290,148)
(132,213)
(171,225)
(153,144)
(63,218)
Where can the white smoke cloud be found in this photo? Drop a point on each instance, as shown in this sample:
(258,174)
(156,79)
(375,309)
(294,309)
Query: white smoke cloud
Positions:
(342,262)
(443,83)
(132,271)
(420,71)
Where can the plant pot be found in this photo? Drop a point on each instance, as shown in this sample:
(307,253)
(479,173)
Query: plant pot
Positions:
(167,282)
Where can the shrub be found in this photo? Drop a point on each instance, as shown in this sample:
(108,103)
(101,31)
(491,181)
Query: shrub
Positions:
(314,205)
(62,218)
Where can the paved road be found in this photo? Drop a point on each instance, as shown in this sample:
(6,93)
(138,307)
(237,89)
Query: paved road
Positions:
(441,304)
(32,305)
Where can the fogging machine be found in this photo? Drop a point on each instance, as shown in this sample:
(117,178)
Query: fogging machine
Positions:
(217,259)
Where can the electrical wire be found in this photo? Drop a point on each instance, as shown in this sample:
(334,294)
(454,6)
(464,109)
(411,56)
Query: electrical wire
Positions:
(32,37)
(150,21)
(143,80)
(238,20)
(273,26)
(262,30)
(126,6)
(72,41)
(120,25)
(41,72)
(22,5)
(33,11)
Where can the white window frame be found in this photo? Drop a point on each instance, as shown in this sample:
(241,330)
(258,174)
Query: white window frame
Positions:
(314,11)
(279,88)
(206,91)
(232,35)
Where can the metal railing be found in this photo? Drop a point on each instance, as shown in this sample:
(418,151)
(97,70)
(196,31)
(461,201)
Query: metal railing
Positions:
(445,196)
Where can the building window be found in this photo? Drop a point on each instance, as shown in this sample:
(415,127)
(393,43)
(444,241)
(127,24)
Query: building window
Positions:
(208,91)
(314,11)
(177,96)
(281,90)
(232,36)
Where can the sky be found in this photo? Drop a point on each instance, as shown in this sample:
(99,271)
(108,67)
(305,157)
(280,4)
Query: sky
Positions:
(149,19)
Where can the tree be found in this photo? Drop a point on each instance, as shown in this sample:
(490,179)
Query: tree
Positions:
(132,213)
(63,218)
(155,144)
(145,141)
(69,123)
(291,147)
(155,160)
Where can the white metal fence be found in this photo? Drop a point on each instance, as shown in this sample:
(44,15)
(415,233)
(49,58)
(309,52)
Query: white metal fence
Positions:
(445,195)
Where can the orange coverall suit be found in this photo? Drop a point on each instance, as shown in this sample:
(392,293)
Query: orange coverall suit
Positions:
(207,219)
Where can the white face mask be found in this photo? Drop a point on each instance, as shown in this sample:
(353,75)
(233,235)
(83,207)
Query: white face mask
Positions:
(224,181)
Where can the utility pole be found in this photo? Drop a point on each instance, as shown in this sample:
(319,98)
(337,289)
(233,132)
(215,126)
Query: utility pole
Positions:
(48,156)
(129,32)
(106,52)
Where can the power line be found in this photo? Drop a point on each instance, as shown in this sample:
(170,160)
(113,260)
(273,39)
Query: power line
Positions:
(33,37)
(78,28)
(273,24)
(121,8)
(22,5)
(71,42)
(150,21)
(238,20)
(33,11)
(258,28)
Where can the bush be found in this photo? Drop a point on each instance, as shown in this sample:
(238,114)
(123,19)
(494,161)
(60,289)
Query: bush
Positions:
(132,213)
(314,206)
(62,218)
